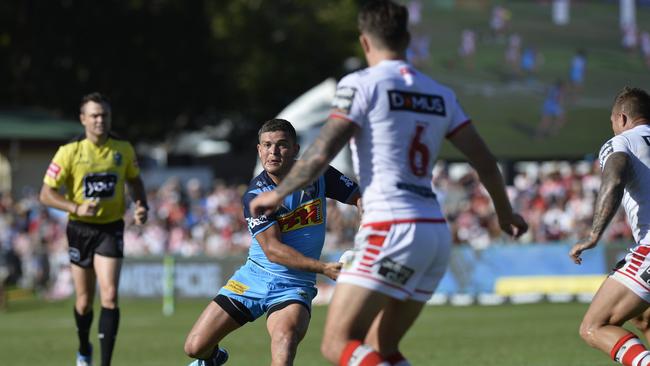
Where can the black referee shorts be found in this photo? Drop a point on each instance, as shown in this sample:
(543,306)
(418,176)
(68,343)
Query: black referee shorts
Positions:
(85,240)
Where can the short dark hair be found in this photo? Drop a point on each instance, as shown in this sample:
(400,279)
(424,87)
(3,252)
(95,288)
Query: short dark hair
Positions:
(634,102)
(278,124)
(96,97)
(386,22)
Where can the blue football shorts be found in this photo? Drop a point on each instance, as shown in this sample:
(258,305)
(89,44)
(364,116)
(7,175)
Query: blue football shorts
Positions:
(262,291)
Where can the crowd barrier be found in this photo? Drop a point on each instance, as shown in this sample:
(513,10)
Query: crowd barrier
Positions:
(497,274)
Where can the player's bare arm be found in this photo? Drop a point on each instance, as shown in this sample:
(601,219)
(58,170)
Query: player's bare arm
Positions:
(614,179)
(139,196)
(51,197)
(280,253)
(470,143)
(333,136)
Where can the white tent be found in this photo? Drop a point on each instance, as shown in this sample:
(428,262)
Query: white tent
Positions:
(308,113)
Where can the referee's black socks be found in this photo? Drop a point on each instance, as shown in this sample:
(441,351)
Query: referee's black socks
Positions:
(109,320)
(83,329)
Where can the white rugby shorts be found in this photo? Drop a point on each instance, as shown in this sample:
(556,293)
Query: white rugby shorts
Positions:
(403,259)
(634,271)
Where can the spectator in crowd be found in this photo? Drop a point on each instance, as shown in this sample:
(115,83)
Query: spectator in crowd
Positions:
(499,21)
(630,38)
(415,12)
(513,53)
(553,117)
(645,48)
(530,62)
(577,70)
(418,52)
(222,231)
(467,48)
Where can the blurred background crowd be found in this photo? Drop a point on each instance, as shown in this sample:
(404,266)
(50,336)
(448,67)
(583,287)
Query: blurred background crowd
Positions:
(188,219)
(191,82)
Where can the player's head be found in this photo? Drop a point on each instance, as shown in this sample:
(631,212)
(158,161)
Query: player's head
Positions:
(95,114)
(631,108)
(384,26)
(277,147)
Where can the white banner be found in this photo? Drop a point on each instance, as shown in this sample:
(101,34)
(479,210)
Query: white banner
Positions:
(191,279)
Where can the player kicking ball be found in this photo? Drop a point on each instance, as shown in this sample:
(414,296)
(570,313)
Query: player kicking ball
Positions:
(279,275)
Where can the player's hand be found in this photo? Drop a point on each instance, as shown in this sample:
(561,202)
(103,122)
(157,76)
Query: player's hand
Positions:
(88,208)
(513,225)
(265,203)
(140,213)
(580,247)
(332,270)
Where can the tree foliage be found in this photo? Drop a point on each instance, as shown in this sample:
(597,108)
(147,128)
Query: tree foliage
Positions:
(169,65)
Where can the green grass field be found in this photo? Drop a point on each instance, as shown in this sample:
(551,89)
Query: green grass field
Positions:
(39,333)
(506,109)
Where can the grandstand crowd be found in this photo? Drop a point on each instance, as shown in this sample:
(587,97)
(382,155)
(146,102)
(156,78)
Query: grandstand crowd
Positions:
(187,219)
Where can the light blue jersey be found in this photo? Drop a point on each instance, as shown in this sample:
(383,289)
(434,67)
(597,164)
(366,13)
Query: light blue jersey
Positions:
(262,286)
(301,219)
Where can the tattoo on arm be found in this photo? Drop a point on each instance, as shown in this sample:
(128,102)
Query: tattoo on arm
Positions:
(614,178)
(333,136)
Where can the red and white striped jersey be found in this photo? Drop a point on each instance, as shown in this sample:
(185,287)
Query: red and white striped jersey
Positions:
(403,116)
(636,144)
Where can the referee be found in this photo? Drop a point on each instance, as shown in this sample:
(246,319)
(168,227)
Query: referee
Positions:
(94,169)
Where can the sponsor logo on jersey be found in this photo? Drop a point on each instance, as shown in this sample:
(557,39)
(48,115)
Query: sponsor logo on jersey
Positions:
(308,214)
(254,222)
(416,102)
(53,170)
(423,191)
(99,185)
(343,99)
(302,293)
(236,287)
(394,272)
(117,158)
(74,254)
(347,181)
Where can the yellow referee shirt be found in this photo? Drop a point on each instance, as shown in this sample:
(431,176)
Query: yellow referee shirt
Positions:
(91,172)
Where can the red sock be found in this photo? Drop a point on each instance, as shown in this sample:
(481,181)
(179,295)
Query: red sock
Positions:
(359,354)
(630,351)
(397,359)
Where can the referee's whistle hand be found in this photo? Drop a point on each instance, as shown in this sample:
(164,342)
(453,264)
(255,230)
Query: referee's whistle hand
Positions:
(140,213)
(88,209)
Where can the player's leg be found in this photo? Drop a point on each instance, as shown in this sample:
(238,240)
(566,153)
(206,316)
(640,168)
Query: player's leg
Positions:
(212,326)
(601,326)
(287,325)
(392,323)
(349,317)
(236,304)
(108,265)
(642,323)
(84,285)
(108,275)
(80,249)
(390,326)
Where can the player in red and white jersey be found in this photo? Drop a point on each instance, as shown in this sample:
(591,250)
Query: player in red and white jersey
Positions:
(397,118)
(403,116)
(625,294)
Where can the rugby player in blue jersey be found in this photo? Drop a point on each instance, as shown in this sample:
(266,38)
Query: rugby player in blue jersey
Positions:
(279,275)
